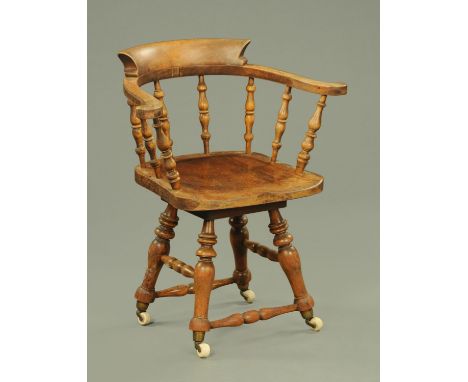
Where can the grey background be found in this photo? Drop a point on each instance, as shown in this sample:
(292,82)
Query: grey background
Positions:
(336,232)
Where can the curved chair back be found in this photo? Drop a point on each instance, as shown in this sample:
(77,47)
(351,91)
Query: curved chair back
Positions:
(199,57)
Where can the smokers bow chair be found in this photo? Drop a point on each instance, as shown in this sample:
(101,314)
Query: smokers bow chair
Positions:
(216,185)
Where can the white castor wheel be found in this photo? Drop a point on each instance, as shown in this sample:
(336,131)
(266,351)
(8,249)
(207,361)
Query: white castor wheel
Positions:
(249,295)
(203,350)
(315,323)
(144,318)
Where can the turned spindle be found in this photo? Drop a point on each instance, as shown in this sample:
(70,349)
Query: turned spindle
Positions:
(178,265)
(249,115)
(164,145)
(182,290)
(204,115)
(252,316)
(262,250)
(281,122)
(150,146)
(165,125)
(175,291)
(309,139)
(137,134)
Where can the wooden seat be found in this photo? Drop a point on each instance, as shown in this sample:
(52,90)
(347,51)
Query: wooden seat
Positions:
(215,185)
(223,180)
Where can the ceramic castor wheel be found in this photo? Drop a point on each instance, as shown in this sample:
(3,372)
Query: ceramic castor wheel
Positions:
(315,323)
(249,295)
(144,318)
(203,350)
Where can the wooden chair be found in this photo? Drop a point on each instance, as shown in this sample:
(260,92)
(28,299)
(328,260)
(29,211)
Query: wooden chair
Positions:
(216,185)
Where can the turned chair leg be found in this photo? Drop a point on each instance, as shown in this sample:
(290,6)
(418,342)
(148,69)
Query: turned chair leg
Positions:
(145,294)
(290,262)
(241,275)
(204,273)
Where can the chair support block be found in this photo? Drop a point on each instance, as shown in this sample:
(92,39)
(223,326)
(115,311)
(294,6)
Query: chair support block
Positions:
(231,212)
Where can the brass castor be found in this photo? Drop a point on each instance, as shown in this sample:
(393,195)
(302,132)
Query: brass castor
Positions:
(203,349)
(249,295)
(315,323)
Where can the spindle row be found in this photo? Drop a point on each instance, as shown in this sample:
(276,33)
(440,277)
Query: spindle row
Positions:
(143,136)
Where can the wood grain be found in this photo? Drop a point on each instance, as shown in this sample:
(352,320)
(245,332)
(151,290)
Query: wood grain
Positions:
(148,58)
(241,180)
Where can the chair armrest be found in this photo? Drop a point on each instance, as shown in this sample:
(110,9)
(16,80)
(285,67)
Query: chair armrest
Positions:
(296,81)
(148,107)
